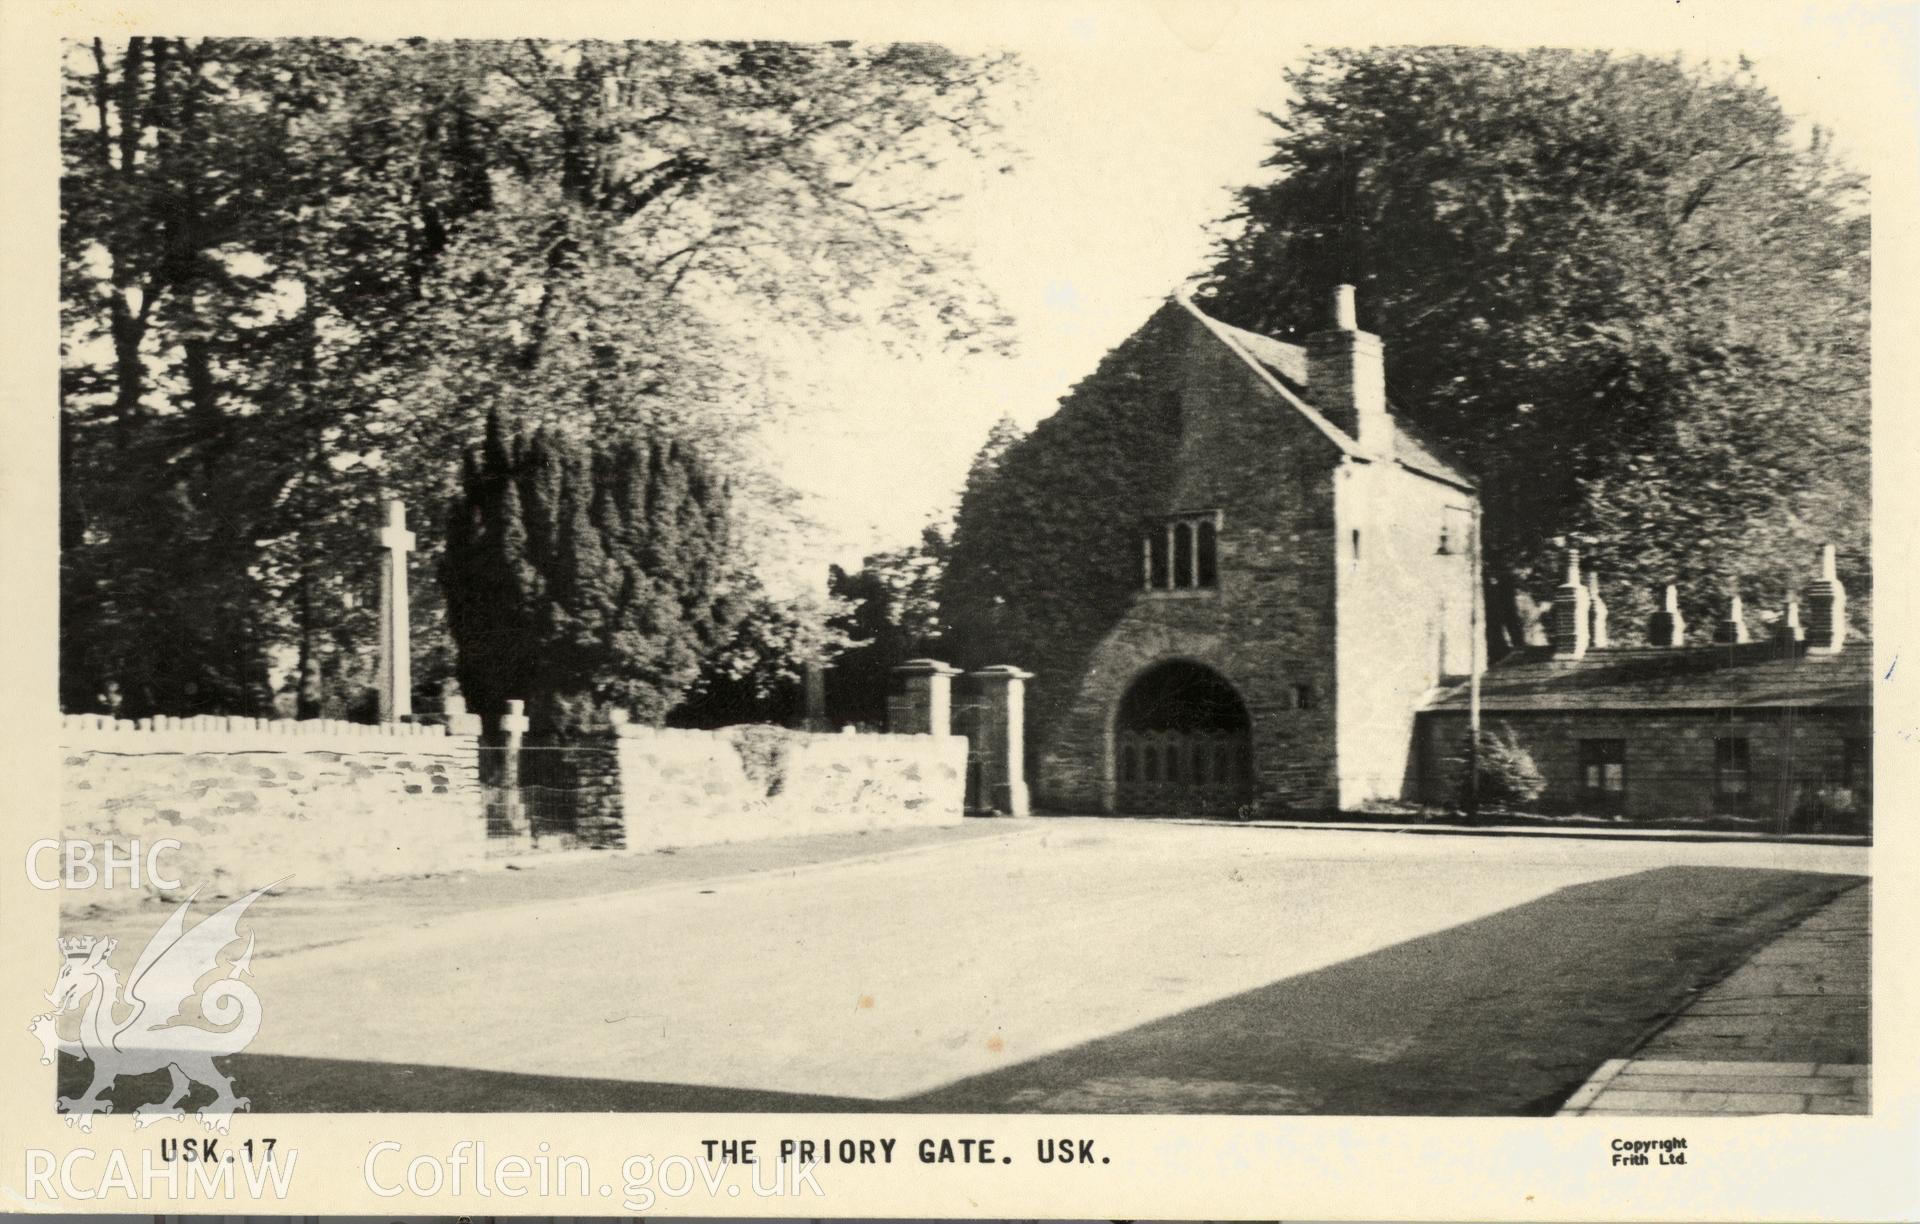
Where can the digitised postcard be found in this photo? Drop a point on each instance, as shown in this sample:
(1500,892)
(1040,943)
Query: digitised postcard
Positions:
(1133,610)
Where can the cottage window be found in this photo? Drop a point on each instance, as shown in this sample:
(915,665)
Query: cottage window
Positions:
(1732,774)
(1859,767)
(1181,552)
(1603,772)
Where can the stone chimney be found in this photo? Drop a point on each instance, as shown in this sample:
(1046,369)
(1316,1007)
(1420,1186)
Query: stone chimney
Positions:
(1347,379)
(1731,629)
(1569,622)
(1788,631)
(1667,627)
(1596,614)
(1826,608)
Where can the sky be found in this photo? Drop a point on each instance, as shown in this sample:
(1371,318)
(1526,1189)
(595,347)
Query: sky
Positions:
(1138,123)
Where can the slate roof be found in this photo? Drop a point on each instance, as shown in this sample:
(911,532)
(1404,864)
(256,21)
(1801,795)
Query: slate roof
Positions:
(1753,676)
(1285,367)
(1289,361)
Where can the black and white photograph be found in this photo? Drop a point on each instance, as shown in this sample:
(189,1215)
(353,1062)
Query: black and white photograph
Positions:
(920,587)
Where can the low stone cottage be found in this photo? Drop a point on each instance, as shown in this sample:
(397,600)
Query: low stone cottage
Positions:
(1776,732)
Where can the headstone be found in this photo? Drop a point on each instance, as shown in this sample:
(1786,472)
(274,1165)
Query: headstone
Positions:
(514,725)
(454,706)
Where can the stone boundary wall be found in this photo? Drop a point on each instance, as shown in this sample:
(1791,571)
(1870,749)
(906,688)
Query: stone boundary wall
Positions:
(327,802)
(253,800)
(685,788)
(305,729)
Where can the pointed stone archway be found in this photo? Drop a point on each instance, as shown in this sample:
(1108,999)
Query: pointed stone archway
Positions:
(1182,744)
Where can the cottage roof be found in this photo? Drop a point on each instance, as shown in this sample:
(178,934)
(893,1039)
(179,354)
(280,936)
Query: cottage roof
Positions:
(1748,676)
(1284,367)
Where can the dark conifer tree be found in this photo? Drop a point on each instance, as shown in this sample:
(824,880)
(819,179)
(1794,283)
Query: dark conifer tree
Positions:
(583,579)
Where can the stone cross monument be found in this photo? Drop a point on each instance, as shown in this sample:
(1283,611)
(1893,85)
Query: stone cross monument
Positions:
(396,661)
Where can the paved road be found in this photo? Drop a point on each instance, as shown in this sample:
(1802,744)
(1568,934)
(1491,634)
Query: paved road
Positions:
(1068,965)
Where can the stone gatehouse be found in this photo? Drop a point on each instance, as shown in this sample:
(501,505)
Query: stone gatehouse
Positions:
(1302,585)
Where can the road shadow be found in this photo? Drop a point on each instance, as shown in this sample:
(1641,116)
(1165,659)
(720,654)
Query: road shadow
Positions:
(1502,1016)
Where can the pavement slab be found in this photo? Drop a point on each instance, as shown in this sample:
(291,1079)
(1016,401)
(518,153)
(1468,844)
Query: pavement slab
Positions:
(1786,1032)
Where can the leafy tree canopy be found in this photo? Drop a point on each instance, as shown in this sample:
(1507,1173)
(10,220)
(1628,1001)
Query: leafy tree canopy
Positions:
(889,613)
(758,674)
(297,274)
(1628,291)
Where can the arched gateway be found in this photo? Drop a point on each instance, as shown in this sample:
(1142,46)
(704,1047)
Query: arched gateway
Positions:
(1182,744)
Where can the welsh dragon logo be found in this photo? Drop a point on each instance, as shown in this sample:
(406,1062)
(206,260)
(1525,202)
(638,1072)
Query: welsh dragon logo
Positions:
(146,1027)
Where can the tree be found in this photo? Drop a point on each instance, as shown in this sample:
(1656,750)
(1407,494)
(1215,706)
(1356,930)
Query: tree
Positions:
(758,674)
(986,527)
(1508,777)
(297,274)
(890,613)
(1046,552)
(585,579)
(147,484)
(1003,436)
(1623,289)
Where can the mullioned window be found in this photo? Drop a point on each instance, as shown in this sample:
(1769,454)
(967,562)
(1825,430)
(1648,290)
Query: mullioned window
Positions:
(1181,552)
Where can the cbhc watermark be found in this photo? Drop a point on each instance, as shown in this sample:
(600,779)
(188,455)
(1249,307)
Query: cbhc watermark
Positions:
(83,864)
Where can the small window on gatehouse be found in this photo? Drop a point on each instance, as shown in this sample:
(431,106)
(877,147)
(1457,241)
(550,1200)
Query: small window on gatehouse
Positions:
(1303,697)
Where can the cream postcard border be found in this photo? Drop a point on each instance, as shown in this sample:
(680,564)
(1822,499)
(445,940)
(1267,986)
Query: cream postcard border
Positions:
(1780,1168)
